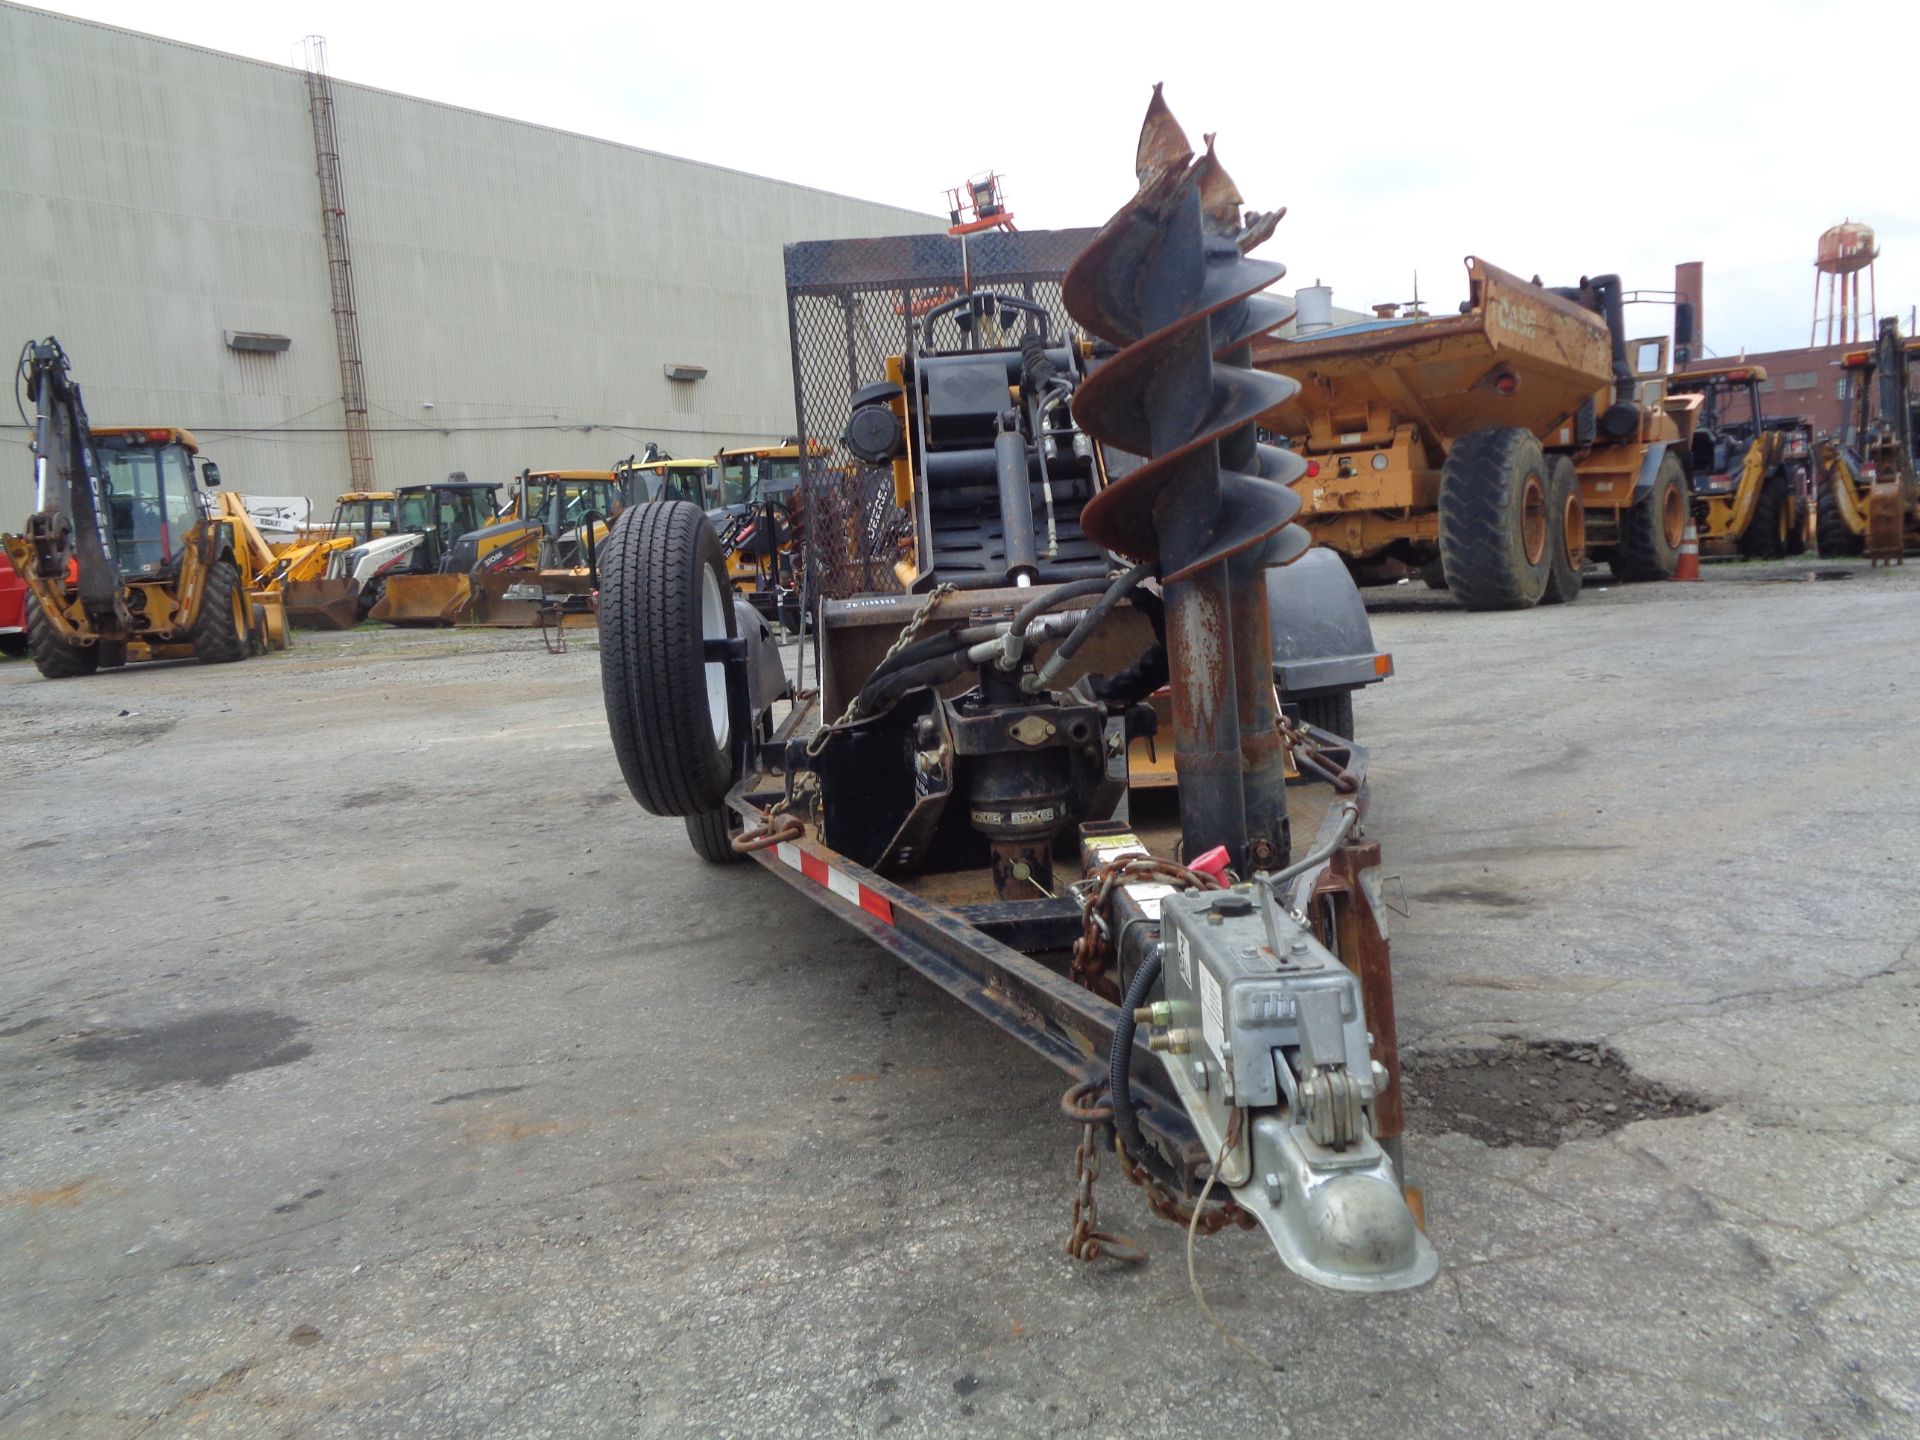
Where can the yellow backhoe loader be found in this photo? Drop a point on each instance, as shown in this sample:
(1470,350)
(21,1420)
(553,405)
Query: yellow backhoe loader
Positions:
(129,556)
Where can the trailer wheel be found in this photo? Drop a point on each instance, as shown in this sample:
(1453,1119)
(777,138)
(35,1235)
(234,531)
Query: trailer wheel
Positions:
(223,630)
(1494,520)
(1567,541)
(663,594)
(53,657)
(1831,537)
(1332,713)
(1651,531)
(1765,537)
(712,833)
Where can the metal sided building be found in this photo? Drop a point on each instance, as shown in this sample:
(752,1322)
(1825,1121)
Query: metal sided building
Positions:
(522,296)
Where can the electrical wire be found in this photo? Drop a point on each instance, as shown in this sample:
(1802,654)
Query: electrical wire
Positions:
(1193,1229)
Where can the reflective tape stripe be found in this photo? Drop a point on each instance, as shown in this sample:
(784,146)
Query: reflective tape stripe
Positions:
(837,881)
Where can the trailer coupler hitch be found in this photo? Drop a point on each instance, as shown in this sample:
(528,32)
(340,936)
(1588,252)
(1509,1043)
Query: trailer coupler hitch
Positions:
(1264,1034)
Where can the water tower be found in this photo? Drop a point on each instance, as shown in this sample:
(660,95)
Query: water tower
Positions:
(1845,250)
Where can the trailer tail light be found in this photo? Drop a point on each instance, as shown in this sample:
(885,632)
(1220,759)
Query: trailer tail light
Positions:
(1383,665)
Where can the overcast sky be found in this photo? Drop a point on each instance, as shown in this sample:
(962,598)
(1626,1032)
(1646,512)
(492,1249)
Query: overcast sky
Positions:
(1550,138)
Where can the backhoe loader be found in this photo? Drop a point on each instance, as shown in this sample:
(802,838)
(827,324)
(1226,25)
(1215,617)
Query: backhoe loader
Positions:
(1868,476)
(1744,498)
(757,515)
(537,563)
(128,555)
(380,537)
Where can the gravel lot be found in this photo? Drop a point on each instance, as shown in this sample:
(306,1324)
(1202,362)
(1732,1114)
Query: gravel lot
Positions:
(371,1065)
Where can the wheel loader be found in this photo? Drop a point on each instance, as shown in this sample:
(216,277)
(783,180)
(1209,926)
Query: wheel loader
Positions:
(129,554)
(1866,498)
(1495,452)
(1086,530)
(534,566)
(1745,499)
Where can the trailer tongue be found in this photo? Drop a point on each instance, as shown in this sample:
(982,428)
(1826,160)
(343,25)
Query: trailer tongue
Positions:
(959,787)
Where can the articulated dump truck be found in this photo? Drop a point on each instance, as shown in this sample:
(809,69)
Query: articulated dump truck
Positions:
(1495,452)
(1068,423)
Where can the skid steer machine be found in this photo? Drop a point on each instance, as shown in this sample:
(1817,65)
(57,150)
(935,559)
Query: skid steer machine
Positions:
(1869,475)
(128,556)
(1745,501)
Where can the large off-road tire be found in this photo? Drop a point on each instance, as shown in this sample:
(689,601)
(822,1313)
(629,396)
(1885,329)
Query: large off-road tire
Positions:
(1766,537)
(221,631)
(1566,533)
(52,656)
(712,833)
(1831,537)
(1494,525)
(663,594)
(1651,531)
(1332,713)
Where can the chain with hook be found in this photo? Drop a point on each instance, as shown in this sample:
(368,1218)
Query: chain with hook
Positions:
(1085,1239)
(1094,949)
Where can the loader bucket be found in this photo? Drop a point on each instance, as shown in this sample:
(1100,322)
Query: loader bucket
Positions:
(270,606)
(514,599)
(323,604)
(425,600)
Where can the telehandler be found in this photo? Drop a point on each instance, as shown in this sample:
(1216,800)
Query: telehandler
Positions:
(1085,533)
(129,555)
(1497,451)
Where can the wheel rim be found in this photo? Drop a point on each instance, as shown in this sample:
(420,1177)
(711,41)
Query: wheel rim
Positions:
(1673,516)
(1533,520)
(1573,525)
(713,626)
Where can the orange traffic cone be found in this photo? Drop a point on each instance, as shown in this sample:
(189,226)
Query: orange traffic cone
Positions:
(1688,566)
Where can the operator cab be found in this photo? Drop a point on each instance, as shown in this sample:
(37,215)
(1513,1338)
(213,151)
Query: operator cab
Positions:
(148,482)
(441,514)
(566,503)
(667,479)
(364,515)
(1730,418)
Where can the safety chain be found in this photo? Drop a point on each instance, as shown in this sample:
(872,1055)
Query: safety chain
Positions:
(1309,753)
(1169,1206)
(1095,947)
(1085,1239)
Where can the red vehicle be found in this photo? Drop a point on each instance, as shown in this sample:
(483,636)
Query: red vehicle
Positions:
(13,611)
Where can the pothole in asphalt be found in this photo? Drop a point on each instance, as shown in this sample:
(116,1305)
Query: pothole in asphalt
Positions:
(1533,1092)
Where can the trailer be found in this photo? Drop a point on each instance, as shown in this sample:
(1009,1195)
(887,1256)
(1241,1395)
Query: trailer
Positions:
(1085,530)
(1496,452)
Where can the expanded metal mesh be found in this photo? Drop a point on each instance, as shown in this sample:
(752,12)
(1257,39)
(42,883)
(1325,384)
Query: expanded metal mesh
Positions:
(850,305)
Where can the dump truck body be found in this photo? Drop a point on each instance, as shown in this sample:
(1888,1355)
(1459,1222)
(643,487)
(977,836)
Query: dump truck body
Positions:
(1382,404)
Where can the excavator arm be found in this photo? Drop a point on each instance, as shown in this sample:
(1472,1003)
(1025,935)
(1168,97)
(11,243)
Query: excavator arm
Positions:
(71,531)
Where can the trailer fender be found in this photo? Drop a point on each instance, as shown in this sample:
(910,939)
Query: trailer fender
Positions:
(1650,467)
(1322,639)
(766,674)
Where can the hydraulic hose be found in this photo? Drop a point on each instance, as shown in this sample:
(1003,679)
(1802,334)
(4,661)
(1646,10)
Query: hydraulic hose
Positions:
(1058,660)
(1120,1058)
(881,690)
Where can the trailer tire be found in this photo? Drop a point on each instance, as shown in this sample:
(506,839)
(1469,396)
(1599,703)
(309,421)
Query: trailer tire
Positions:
(711,832)
(53,657)
(1566,533)
(1332,713)
(1831,537)
(1494,521)
(223,630)
(1650,536)
(663,594)
(1766,537)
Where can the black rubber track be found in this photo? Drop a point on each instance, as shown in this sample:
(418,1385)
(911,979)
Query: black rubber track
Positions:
(1480,520)
(52,656)
(1332,713)
(1831,537)
(712,835)
(217,636)
(1643,552)
(1761,540)
(652,660)
(1563,568)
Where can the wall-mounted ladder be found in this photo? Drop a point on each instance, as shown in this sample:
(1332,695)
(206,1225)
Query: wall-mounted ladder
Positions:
(333,220)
